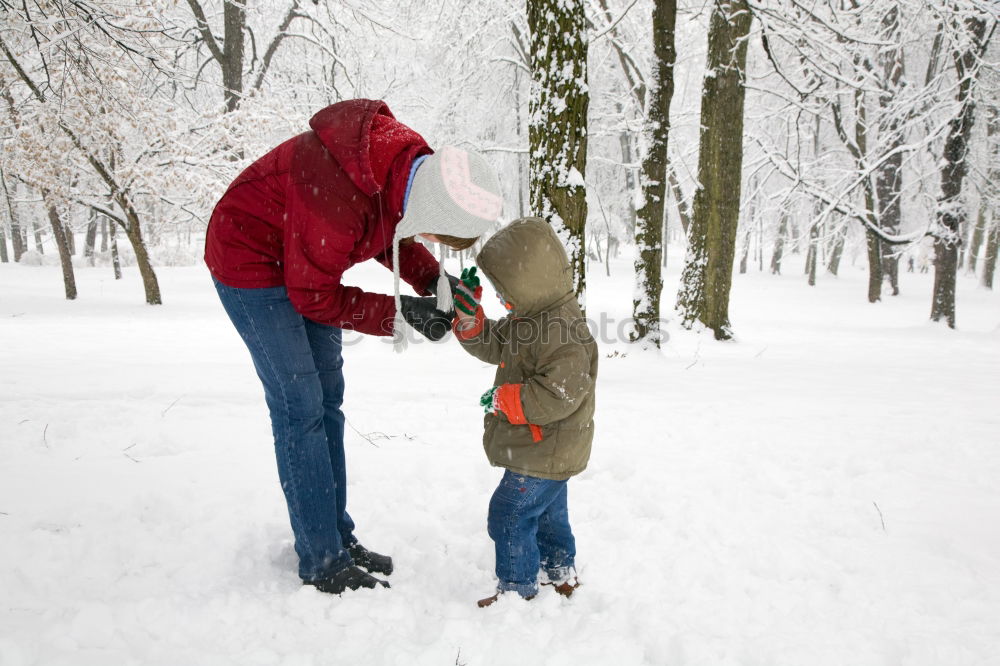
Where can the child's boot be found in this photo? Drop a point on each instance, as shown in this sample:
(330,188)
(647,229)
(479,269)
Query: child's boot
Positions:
(564,584)
(566,588)
(488,601)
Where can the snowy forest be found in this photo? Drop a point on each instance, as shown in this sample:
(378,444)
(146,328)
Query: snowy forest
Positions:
(745,131)
(783,221)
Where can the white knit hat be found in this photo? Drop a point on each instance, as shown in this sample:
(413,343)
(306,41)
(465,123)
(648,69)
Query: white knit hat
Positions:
(455,193)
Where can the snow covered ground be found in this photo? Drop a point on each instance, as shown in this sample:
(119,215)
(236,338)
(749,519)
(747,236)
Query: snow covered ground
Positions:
(822,491)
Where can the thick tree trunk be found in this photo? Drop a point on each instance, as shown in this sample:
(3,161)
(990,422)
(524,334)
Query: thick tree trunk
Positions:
(557,133)
(59,233)
(234,16)
(3,248)
(649,218)
(229,54)
(134,233)
(951,206)
(521,176)
(708,270)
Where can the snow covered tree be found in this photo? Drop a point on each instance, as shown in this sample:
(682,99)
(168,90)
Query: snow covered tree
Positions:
(229,50)
(81,67)
(703,295)
(59,232)
(649,218)
(871,129)
(967,58)
(557,130)
(855,63)
(888,178)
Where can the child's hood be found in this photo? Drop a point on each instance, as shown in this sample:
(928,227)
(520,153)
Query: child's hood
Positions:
(527,264)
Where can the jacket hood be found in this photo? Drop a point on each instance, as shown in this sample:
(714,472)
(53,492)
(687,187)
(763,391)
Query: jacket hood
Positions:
(527,264)
(365,138)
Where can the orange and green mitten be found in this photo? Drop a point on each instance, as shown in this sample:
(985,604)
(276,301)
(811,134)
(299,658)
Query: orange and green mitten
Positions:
(488,401)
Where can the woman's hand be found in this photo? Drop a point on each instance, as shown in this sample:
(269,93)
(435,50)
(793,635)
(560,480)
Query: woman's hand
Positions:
(452,281)
(422,314)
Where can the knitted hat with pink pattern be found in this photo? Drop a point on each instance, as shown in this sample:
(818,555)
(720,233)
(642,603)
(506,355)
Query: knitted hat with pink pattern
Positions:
(454,192)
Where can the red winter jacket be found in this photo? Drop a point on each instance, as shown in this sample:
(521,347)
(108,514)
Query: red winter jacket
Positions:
(318,204)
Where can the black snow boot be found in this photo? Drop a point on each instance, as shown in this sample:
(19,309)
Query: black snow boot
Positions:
(348,578)
(372,562)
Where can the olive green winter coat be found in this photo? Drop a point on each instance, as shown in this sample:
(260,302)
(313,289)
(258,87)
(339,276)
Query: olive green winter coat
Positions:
(546,355)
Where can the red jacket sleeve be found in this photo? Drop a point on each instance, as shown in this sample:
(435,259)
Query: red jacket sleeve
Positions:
(417,266)
(320,234)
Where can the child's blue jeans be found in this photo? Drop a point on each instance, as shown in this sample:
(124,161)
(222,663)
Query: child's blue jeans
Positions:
(299,363)
(529,524)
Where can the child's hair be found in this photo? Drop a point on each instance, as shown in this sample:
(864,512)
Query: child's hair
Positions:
(454,242)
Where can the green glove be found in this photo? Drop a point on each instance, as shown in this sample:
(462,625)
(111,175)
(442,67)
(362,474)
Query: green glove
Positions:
(469,278)
(486,401)
(468,293)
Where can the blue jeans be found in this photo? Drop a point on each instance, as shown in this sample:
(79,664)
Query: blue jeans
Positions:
(299,362)
(529,525)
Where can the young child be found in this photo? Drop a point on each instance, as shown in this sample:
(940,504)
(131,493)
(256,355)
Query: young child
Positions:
(539,413)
